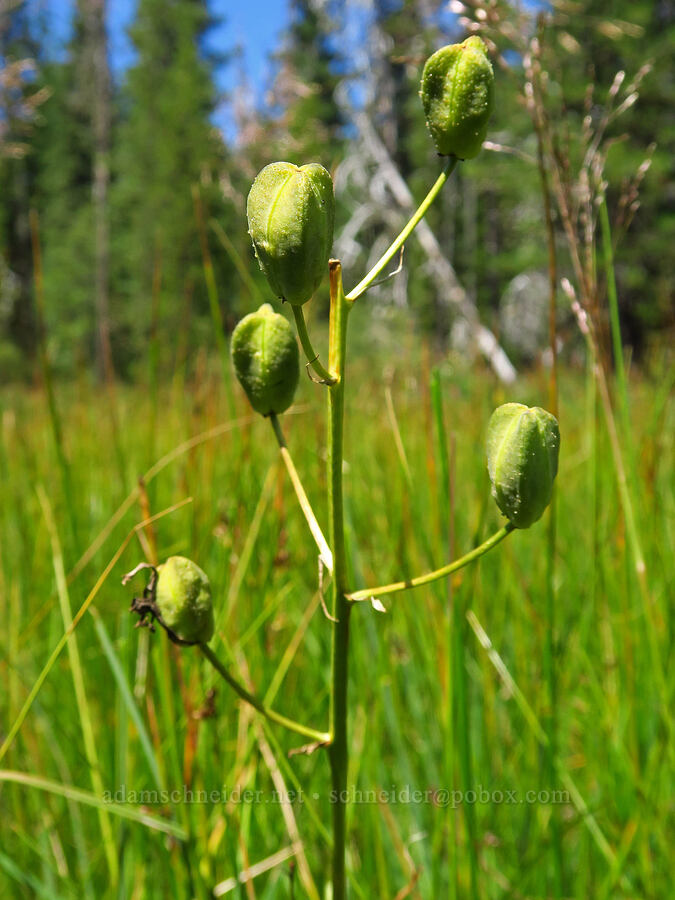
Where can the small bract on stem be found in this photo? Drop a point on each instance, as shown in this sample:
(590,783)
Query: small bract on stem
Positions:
(325,376)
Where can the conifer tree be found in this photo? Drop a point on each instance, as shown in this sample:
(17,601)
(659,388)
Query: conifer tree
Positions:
(21,98)
(166,145)
(311,122)
(64,158)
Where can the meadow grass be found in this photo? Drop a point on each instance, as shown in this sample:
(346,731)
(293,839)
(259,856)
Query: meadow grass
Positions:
(449,686)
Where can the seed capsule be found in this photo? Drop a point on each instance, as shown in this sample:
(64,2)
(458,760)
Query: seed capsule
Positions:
(266,360)
(183,598)
(522,457)
(290,212)
(457,93)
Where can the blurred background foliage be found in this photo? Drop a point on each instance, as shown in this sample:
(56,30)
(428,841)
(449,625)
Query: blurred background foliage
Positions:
(123,174)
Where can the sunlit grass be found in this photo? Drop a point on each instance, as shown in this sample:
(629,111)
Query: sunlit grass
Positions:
(232,509)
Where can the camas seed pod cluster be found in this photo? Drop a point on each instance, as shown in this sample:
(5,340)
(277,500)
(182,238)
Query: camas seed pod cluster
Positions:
(522,455)
(291,210)
(266,360)
(183,598)
(457,94)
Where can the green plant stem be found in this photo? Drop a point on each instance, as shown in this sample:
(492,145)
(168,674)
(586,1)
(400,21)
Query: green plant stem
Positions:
(608,258)
(321,736)
(340,306)
(305,505)
(446,517)
(416,218)
(463,738)
(395,587)
(338,750)
(310,352)
(549,649)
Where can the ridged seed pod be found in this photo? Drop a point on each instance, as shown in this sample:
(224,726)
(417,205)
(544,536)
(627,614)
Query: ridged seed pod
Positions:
(183,598)
(291,210)
(266,360)
(522,455)
(457,94)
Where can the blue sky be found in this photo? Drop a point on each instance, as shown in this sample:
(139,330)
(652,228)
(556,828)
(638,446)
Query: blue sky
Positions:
(254,24)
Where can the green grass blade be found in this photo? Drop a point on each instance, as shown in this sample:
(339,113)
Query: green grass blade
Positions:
(84,711)
(87,798)
(27,880)
(127,696)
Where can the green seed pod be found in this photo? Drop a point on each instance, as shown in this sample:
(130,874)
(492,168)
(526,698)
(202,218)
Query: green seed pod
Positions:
(266,360)
(290,212)
(183,598)
(457,94)
(522,457)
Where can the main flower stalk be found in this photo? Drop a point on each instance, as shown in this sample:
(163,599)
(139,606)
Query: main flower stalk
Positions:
(338,749)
